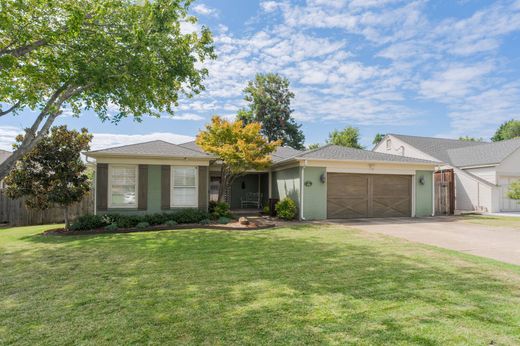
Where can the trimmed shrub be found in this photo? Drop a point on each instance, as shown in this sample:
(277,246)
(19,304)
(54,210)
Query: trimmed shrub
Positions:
(125,221)
(112,227)
(189,216)
(286,209)
(171,223)
(266,210)
(142,225)
(88,222)
(219,209)
(224,220)
(156,219)
(204,222)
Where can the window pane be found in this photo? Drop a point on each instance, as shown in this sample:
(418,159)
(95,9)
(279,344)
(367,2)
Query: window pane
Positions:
(184,176)
(185,196)
(123,186)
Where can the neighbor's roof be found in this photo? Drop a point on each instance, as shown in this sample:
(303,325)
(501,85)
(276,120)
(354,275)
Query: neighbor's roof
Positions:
(154,148)
(4,154)
(435,147)
(483,154)
(280,154)
(340,153)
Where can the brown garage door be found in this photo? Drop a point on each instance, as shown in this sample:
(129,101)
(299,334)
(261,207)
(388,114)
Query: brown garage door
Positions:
(368,195)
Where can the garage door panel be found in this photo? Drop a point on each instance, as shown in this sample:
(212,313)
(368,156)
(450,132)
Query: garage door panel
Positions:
(368,195)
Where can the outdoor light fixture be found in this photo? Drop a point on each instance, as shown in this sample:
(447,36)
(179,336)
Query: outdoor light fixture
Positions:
(308,183)
(421,180)
(323,178)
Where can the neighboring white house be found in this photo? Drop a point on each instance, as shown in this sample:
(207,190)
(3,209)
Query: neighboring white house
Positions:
(4,154)
(483,171)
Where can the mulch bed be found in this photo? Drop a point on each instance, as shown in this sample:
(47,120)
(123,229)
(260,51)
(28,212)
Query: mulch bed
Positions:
(234,226)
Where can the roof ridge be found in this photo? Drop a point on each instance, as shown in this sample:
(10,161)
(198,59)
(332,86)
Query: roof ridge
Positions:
(132,144)
(487,144)
(438,138)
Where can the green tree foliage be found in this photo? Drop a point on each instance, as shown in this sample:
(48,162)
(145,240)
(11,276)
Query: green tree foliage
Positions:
(52,173)
(269,100)
(378,138)
(99,55)
(514,190)
(471,139)
(348,137)
(313,146)
(508,130)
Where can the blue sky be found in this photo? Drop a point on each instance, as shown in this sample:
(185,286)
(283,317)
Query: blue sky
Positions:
(432,68)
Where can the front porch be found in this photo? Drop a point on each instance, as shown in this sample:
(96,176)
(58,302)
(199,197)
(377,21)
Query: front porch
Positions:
(245,191)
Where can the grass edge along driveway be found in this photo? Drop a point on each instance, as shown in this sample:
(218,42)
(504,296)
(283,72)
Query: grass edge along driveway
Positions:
(307,284)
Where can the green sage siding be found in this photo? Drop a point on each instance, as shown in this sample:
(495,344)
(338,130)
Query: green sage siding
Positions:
(154,189)
(314,194)
(423,193)
(286,183)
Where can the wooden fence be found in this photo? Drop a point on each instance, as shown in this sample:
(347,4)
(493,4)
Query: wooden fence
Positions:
(15,213)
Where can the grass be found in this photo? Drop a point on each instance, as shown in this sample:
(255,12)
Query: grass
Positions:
(494,221)
(301,285)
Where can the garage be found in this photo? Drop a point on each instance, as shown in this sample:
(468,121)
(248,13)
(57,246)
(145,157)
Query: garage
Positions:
(368,195)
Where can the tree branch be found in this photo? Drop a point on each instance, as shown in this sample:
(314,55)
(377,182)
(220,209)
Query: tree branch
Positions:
(16,105)
(21,51)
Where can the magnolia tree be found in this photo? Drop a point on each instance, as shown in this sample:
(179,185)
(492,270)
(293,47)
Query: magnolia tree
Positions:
(239,147)
(52,173)
(132,57)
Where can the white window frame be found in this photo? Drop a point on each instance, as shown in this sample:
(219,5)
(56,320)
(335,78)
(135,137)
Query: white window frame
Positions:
(172,187)
(127,206)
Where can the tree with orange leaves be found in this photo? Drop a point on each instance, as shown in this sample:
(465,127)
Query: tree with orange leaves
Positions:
(239,147)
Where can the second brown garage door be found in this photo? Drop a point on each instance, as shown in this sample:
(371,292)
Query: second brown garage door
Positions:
(368,195)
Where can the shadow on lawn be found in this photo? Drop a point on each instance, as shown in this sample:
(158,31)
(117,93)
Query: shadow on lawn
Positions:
(259,287)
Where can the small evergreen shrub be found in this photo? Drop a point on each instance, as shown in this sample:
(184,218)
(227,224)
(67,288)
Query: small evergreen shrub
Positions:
(88,222)
(224,220)
(156,219)
(286,209)
(112,227)
(142,225)
(126,221)
(220,209)
(204,222)
(191,215)
(266,210)
(171,223)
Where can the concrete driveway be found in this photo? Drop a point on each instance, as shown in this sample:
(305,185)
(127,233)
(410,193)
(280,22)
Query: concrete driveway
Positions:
(498,243)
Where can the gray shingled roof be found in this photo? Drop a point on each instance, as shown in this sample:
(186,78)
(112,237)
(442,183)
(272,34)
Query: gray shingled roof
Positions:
(435,147)
(483,154)
(154,148)
(4,154)
(280,154)
(336,152)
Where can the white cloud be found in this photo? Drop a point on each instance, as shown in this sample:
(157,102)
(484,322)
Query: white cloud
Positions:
(185,117)
(205,10)
(8,135)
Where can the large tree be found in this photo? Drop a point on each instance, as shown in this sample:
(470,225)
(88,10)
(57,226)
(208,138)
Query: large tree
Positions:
(239,147)
(378,138)
(348,137)
(514,190)
(471,139)
(508,130)
(52,173)
(128,56)
(269,100)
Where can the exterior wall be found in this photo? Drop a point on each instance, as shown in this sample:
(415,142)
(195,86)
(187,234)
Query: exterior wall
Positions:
(398,147)
(155,190)
(286,183)
(510,166)
(474,195)
(487,173)
(315,195)
(424,194)
(250,184)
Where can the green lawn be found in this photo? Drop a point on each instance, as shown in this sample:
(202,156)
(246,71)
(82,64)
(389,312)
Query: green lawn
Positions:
(307,284)
(494,221)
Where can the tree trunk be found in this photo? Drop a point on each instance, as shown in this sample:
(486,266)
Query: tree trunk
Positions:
(66,215)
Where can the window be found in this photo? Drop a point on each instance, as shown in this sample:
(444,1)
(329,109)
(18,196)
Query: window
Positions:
(122,186)
(184,187)
(388,144)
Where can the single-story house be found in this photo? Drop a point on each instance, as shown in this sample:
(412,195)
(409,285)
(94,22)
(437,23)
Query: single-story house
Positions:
(329,182)
(4,154)
(482,171)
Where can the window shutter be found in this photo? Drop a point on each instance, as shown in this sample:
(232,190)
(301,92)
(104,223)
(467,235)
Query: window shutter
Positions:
(142,188)
(102,186)
(203,188)
(165,187)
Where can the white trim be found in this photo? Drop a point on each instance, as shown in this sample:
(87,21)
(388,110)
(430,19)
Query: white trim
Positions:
(95,189)
(127,206)
(172,186)
(433,193)
(370,171)
(414,193)
(479,166)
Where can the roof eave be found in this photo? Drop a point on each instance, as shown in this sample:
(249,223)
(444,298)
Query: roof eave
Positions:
(358,161)
(148,156)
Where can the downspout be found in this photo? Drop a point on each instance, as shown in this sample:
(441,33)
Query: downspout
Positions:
(302,176)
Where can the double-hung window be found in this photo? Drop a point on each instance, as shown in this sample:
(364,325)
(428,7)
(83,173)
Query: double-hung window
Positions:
(184,186)
(122,186)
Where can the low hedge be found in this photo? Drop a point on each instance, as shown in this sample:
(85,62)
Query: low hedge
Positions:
(181,216)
